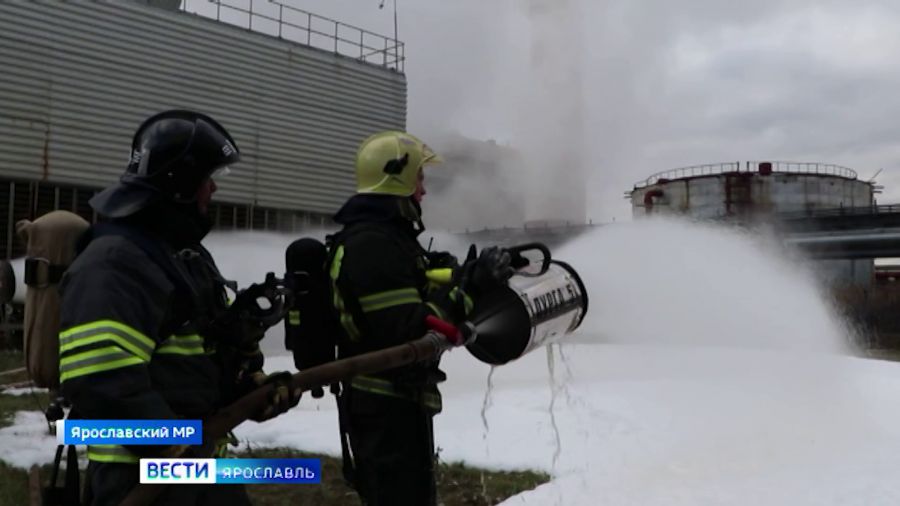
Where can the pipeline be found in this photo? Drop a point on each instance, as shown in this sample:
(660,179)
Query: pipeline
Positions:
(875,243)
(648,199)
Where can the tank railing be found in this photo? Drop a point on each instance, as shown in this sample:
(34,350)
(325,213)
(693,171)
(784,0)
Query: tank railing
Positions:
(286,22)
(729,167)
(827,169)
(691,171)
(563,227)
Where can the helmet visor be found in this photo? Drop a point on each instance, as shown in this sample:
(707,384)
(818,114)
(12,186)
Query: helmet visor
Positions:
(221,172)
(429,157)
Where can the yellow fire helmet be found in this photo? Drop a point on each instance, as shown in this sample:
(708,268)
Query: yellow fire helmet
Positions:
(389,162)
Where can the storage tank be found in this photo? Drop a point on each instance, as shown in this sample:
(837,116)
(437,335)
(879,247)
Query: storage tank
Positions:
(750,190)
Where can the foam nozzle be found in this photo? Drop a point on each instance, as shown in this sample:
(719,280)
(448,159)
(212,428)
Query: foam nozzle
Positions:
(531,312)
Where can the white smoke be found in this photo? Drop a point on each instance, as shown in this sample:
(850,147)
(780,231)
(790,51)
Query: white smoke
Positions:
(676,283)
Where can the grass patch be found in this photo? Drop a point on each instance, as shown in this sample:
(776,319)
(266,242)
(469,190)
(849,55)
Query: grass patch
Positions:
(9,404)
(9,360)
(14,481)
(13,485)
(458,485)
(893,355)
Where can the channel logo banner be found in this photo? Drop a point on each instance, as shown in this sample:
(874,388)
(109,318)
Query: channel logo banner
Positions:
(268,471)
(175,471)
(129,432)
(230,471)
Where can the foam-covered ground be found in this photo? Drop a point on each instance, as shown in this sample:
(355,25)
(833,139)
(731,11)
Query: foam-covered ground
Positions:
(652,425)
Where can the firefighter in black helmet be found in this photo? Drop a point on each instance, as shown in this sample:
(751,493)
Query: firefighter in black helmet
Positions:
(384,285)
(141,304)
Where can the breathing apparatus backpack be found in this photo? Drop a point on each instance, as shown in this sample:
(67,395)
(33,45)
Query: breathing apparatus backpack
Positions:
(53,241)
(311,326)
(50,248)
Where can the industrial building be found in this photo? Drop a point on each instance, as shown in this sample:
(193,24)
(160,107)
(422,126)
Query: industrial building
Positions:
(299,93)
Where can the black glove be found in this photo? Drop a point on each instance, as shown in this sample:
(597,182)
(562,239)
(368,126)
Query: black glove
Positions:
(491,270)
(283,397)
(441,260)
(245,321)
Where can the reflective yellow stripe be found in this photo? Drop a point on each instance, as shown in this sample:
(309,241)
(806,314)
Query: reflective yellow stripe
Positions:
(441,276)
(384,387)
(191,344)
(105,366)
(336,263)
(123,335)
(389,298)
(74,363)
(294,317)
(111,453)
(433,401)
(437,311)
(338,301)
(467,301)
(376,386)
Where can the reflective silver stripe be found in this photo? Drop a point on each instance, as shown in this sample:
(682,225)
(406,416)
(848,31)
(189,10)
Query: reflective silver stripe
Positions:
(128,338)
(109,354)
(99,360)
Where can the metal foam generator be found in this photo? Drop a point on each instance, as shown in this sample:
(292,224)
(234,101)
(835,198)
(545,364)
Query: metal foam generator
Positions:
(534,310)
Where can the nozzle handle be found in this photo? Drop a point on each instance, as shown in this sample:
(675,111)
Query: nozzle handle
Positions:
(519,261)
(445,328)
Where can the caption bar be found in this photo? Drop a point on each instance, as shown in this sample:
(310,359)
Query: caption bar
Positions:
(230,471)
(130,432)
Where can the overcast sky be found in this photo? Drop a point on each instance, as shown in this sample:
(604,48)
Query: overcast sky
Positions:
(659,84)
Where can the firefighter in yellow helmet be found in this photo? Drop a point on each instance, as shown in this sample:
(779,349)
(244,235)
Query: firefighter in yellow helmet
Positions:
(382,294)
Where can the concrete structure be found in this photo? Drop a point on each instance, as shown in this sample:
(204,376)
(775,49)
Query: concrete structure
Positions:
(758,192)
(78,77)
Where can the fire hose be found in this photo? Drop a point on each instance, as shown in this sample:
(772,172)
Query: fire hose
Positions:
(442,337)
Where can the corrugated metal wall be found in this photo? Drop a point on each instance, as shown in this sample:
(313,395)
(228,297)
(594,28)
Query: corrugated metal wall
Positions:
(77,78)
